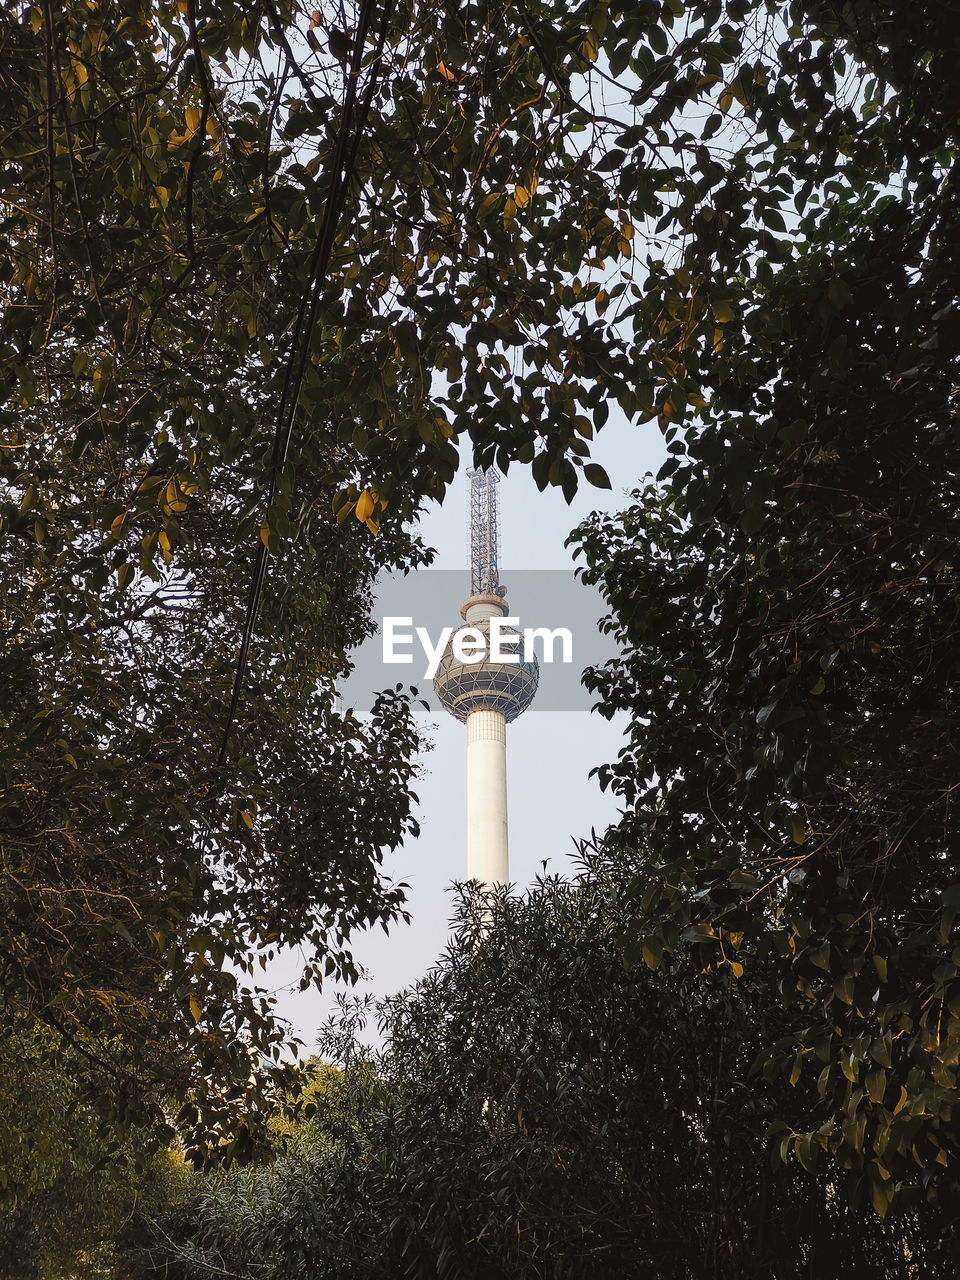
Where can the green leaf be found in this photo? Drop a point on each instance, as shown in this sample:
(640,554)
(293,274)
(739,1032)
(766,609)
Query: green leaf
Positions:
(596,476)
(807,1150)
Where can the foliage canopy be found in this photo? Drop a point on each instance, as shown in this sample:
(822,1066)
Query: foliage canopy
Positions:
(539,1111)
(735,219)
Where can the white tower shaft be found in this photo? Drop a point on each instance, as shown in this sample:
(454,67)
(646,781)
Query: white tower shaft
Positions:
(487,851)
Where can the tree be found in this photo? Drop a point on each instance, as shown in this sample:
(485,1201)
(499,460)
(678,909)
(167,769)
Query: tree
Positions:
(540,1111)
(70,1189)
(155,844)
(259,269)
(786,603)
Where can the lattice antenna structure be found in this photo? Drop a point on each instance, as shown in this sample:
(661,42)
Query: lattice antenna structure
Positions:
(484,534)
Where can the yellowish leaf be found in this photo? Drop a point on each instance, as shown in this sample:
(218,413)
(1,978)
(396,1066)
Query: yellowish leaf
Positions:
(881,1194)
(489,203)
(365,506)
(172,499)
(196,1009)
(876,1083)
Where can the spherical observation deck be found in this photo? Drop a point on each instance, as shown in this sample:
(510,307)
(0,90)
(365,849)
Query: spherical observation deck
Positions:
(484,685)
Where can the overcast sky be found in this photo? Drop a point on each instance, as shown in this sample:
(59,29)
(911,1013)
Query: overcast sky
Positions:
(550,753)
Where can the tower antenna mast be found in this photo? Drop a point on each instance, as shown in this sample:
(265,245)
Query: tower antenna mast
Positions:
(484,534)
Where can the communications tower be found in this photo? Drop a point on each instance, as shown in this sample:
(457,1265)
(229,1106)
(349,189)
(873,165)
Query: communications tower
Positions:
(485,694)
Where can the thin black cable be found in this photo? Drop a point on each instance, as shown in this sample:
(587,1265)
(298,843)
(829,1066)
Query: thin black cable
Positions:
(306,320)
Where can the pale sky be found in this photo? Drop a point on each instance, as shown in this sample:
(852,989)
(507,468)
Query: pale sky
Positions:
(550,753)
